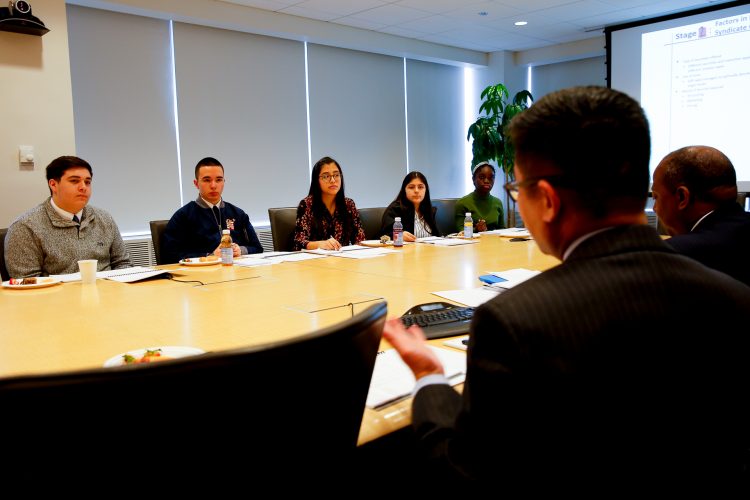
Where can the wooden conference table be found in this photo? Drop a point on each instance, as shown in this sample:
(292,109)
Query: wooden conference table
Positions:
(74,326)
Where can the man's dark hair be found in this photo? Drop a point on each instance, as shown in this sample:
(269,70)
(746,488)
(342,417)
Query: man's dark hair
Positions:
(707,173)
(207,162)
(596,139)
(59,165)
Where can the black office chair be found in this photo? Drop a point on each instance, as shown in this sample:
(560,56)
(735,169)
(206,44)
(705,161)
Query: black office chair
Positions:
(371,221)
(283,220)
(157,230)
(445,215)
(3,270)
(288,411)
(742,198)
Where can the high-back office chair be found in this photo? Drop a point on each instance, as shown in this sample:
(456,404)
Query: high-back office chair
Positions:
(290,409)
(3,270)
(445,216)
(157,229)
(283,220)
(372,219)
(742,199)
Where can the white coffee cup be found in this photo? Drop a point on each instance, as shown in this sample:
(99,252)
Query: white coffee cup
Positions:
(88,271)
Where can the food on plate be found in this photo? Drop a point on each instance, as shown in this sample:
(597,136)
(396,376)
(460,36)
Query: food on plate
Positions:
(149,356)
(23,281)
(208,258)
(385,239)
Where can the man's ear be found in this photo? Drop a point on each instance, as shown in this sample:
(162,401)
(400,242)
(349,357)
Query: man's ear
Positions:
(549,201)
(195,183)
(683,197)
(52,183)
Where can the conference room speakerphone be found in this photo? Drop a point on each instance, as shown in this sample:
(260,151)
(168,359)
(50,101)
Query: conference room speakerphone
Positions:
(439,319)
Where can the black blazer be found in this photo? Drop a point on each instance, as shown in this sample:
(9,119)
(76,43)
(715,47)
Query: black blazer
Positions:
(597,370)
(721,241)
(395,209)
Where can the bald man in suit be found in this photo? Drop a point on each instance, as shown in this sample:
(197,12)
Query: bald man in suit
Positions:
(695,197)
(610,372)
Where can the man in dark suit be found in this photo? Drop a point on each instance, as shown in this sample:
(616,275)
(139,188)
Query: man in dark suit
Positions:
(612,371)
(695,197)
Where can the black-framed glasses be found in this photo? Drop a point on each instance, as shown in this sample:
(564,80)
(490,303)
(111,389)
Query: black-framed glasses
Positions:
(512,187)
(330,177)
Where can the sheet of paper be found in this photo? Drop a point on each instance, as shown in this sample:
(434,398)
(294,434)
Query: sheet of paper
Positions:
(345,248)
(473,297)
(392,380)
(511,232)
(253,262)
(298,256)
(447,242)
(458,343)
(367,253)
(513,277)
(67,278)
(352,252)
(266,258)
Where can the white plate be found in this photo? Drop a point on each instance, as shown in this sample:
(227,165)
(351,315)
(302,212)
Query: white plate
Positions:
(375,243)
(174,351)
(195,261)
(41,282)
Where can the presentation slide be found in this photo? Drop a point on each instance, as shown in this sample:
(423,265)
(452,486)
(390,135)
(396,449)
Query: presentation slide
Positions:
(692,76)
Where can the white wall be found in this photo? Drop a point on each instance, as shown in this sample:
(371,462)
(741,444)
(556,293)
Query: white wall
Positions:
(37,107)
(550,77)
(35,77)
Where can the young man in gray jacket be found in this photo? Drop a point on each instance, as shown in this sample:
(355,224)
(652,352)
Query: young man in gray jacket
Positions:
(53,236)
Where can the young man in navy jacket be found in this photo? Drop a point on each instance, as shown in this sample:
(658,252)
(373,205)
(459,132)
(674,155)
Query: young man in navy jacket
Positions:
(195,229)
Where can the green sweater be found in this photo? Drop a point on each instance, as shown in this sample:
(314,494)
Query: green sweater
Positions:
(490,209)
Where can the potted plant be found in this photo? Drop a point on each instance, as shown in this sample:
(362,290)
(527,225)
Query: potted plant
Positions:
(487,133)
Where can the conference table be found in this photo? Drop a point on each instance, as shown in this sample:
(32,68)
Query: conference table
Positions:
(73,326)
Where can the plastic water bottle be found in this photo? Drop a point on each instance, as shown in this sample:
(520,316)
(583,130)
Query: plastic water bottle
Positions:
(468,226)
(227,254)
(398,233)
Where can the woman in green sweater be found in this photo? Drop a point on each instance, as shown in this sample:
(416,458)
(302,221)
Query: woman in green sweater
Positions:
(486,210)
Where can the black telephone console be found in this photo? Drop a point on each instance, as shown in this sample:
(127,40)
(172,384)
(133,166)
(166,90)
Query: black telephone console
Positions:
(439,319)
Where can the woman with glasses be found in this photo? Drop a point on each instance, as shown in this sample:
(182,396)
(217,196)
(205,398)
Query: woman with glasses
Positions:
(414,207)
(326,219)
(486,210)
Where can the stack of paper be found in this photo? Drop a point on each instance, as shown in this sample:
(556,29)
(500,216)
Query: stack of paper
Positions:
(393,380)
(125,275)
(511,232)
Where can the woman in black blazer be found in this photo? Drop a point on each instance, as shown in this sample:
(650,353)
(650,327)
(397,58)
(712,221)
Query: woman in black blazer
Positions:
(414,207)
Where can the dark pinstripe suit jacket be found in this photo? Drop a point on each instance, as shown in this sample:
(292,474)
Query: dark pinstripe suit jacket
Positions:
(603,367)
(721,241)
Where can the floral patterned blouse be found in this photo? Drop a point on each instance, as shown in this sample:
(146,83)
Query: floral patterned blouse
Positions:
(311,228)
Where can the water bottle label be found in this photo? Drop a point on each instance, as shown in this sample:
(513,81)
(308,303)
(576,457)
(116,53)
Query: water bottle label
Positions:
(468,230)
(227,256)
(398,238)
